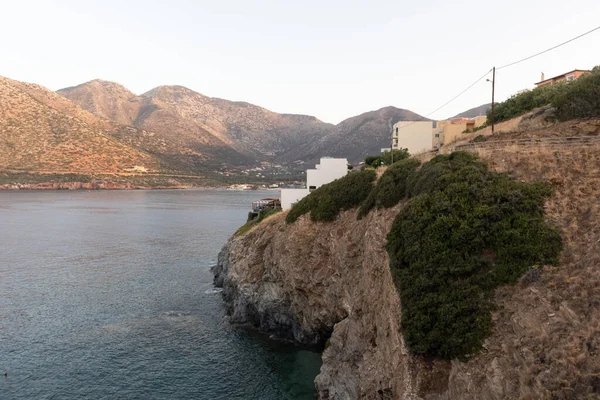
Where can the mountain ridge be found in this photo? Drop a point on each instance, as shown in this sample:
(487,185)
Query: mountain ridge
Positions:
(251,130)
(174,130)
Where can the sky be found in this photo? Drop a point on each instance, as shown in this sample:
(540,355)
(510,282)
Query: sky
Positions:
(331,59)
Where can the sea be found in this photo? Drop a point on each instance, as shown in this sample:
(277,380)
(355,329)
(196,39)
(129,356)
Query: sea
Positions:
(109,295)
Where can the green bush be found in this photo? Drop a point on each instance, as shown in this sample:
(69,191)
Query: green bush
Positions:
(576,99)
(524,102)
(398,155)
(369,160)
(581,100)
(443,170)
(325,203)
(464,231)
(391,187)
(386,158)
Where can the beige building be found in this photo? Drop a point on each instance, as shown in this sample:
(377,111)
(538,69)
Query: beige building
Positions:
(451,130)
(412,135)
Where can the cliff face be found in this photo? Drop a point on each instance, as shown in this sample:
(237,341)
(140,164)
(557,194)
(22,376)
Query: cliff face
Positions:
(306,281)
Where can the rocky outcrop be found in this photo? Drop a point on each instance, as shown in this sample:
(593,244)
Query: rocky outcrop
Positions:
(330,284)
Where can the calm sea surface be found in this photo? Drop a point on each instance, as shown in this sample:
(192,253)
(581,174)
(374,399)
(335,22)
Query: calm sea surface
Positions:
(108,295)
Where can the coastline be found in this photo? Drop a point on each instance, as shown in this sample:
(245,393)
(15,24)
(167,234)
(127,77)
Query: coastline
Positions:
(111,186)
(88,186)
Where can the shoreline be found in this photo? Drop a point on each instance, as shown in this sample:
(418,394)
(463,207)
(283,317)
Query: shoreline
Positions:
(76,186)
(86,186)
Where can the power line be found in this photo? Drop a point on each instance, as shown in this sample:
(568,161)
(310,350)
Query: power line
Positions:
(451,100)
(458,95)
(504,66)
(547,50)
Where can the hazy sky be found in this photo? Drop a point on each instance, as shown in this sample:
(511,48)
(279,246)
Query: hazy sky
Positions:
(331,59)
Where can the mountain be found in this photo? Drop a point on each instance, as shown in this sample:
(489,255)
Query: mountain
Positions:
(365,134)
(235,132)
(43,132)
(169,133)
(176,135)
(474,112)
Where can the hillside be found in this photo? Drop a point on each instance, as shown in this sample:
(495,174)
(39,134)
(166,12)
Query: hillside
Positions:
(474,112)
(235,132)
(175,135)
(41,131)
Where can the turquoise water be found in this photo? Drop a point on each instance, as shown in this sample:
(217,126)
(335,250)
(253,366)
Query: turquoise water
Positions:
(108,295)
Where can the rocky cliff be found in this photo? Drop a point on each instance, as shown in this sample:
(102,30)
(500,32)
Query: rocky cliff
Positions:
(330,283)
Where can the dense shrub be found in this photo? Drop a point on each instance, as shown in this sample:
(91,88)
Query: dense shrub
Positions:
(581,100)
(391,187)
(370,160)
(443,170)
(576,99)
(525,102)
(464,231)
(386,158)
(325,203)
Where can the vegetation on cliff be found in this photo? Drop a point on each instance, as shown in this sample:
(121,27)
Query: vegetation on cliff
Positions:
(325,203)
(577,99)
(391,187)
(387,158)
(251,223)
(463,232)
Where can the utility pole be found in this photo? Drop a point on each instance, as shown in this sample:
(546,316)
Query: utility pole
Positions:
(493,89)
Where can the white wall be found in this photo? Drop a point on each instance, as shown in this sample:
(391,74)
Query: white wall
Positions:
(327,171)
(416,136)
(291,196)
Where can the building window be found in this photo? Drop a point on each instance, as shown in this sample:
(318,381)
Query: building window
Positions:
(311,188)
(570,78)
(437,135)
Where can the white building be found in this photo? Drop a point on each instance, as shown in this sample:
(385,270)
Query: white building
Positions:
(412,135)
(328,170)
(289,197)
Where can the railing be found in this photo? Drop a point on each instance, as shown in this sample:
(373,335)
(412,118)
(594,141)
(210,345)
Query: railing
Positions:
(262,204)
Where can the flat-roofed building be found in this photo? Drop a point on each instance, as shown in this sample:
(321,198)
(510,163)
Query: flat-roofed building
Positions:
(452,129)
(328,170)
(412,135)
